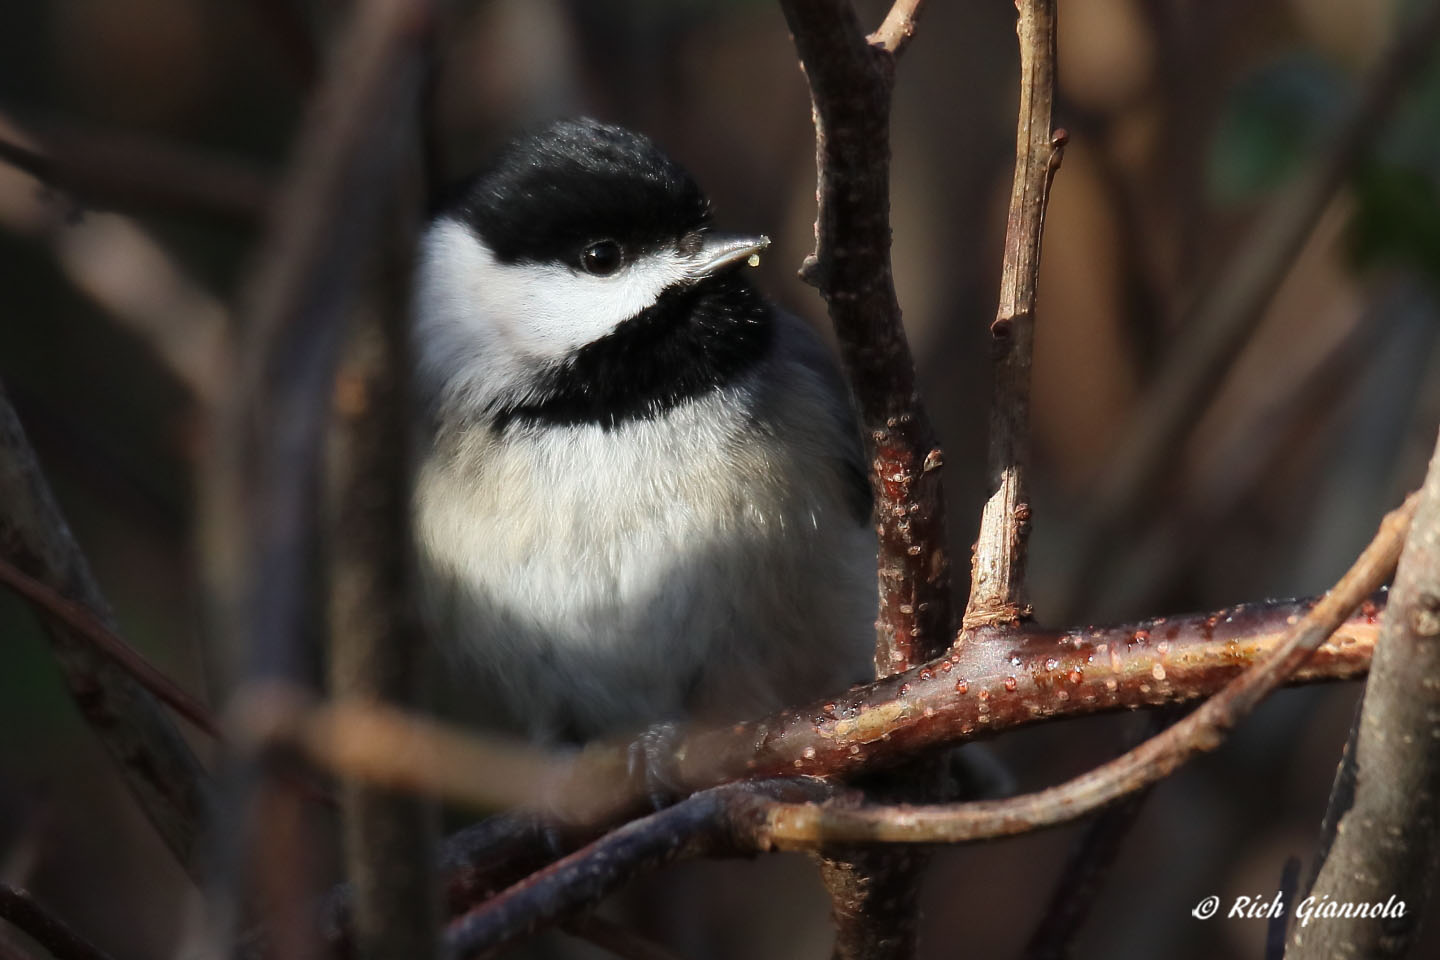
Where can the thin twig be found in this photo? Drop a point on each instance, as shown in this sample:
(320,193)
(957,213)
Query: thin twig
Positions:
(52,605)
(800,826)
(368,742)
(157,765)
(997,578)
(21,910)
(715,823)
(1223,320)
(138,176)
(1386,843)
(1073,894)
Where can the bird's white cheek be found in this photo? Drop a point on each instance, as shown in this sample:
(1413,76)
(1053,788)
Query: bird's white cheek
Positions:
(541,311)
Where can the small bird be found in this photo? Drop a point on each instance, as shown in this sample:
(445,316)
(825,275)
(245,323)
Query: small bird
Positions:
(641,495)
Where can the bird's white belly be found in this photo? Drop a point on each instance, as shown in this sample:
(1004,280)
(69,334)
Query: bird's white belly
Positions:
(605,580)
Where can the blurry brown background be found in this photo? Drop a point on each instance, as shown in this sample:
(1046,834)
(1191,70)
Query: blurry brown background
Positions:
(1186,118)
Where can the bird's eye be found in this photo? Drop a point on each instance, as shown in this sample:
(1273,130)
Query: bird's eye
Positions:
(602,259)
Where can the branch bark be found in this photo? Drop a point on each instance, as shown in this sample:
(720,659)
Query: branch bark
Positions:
(162,773)
(65,614)
(850,83)
(997,576)
(759,817)
(263,482)
(800,826)
(1386,844)
(851,77)
(376,647)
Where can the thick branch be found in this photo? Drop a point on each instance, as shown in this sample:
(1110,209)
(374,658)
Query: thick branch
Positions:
(850,83)
(997,577)
(1388,843)
(980,690)
(809,825)
(162,773)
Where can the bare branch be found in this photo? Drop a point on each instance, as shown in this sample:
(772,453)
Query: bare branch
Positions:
(1153,663)
(137,176)
(801,826)
(851,78)
(369,742)
(75,617)
(715,823)
(375,642)
(1386,844)
(850,82)
(20,909)
(997,578)
(261,488)
(157,765)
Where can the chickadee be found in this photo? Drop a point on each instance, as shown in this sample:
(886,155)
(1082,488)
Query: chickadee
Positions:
(641,495)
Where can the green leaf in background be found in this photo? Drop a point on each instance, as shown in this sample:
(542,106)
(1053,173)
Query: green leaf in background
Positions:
(1273,119)
(1397,220)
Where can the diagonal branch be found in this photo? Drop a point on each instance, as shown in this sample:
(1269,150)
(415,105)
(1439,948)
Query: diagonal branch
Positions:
(997,578)
(716,823)
(83,623)
(22,911)
(138,176)
(804,826)
(157,765)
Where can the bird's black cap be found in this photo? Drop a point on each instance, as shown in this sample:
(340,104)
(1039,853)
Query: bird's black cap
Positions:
(557,187)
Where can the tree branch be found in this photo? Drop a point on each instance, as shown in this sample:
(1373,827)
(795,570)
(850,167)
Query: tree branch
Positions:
(805,826)
(375,641)
(873,894)
(344,179)
(716,823)
(997,578)
(850,82)
(1386,844)
(162,773)
(138,176)
(83,623)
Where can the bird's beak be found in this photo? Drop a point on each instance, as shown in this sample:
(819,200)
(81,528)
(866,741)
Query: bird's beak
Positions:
(720,250)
